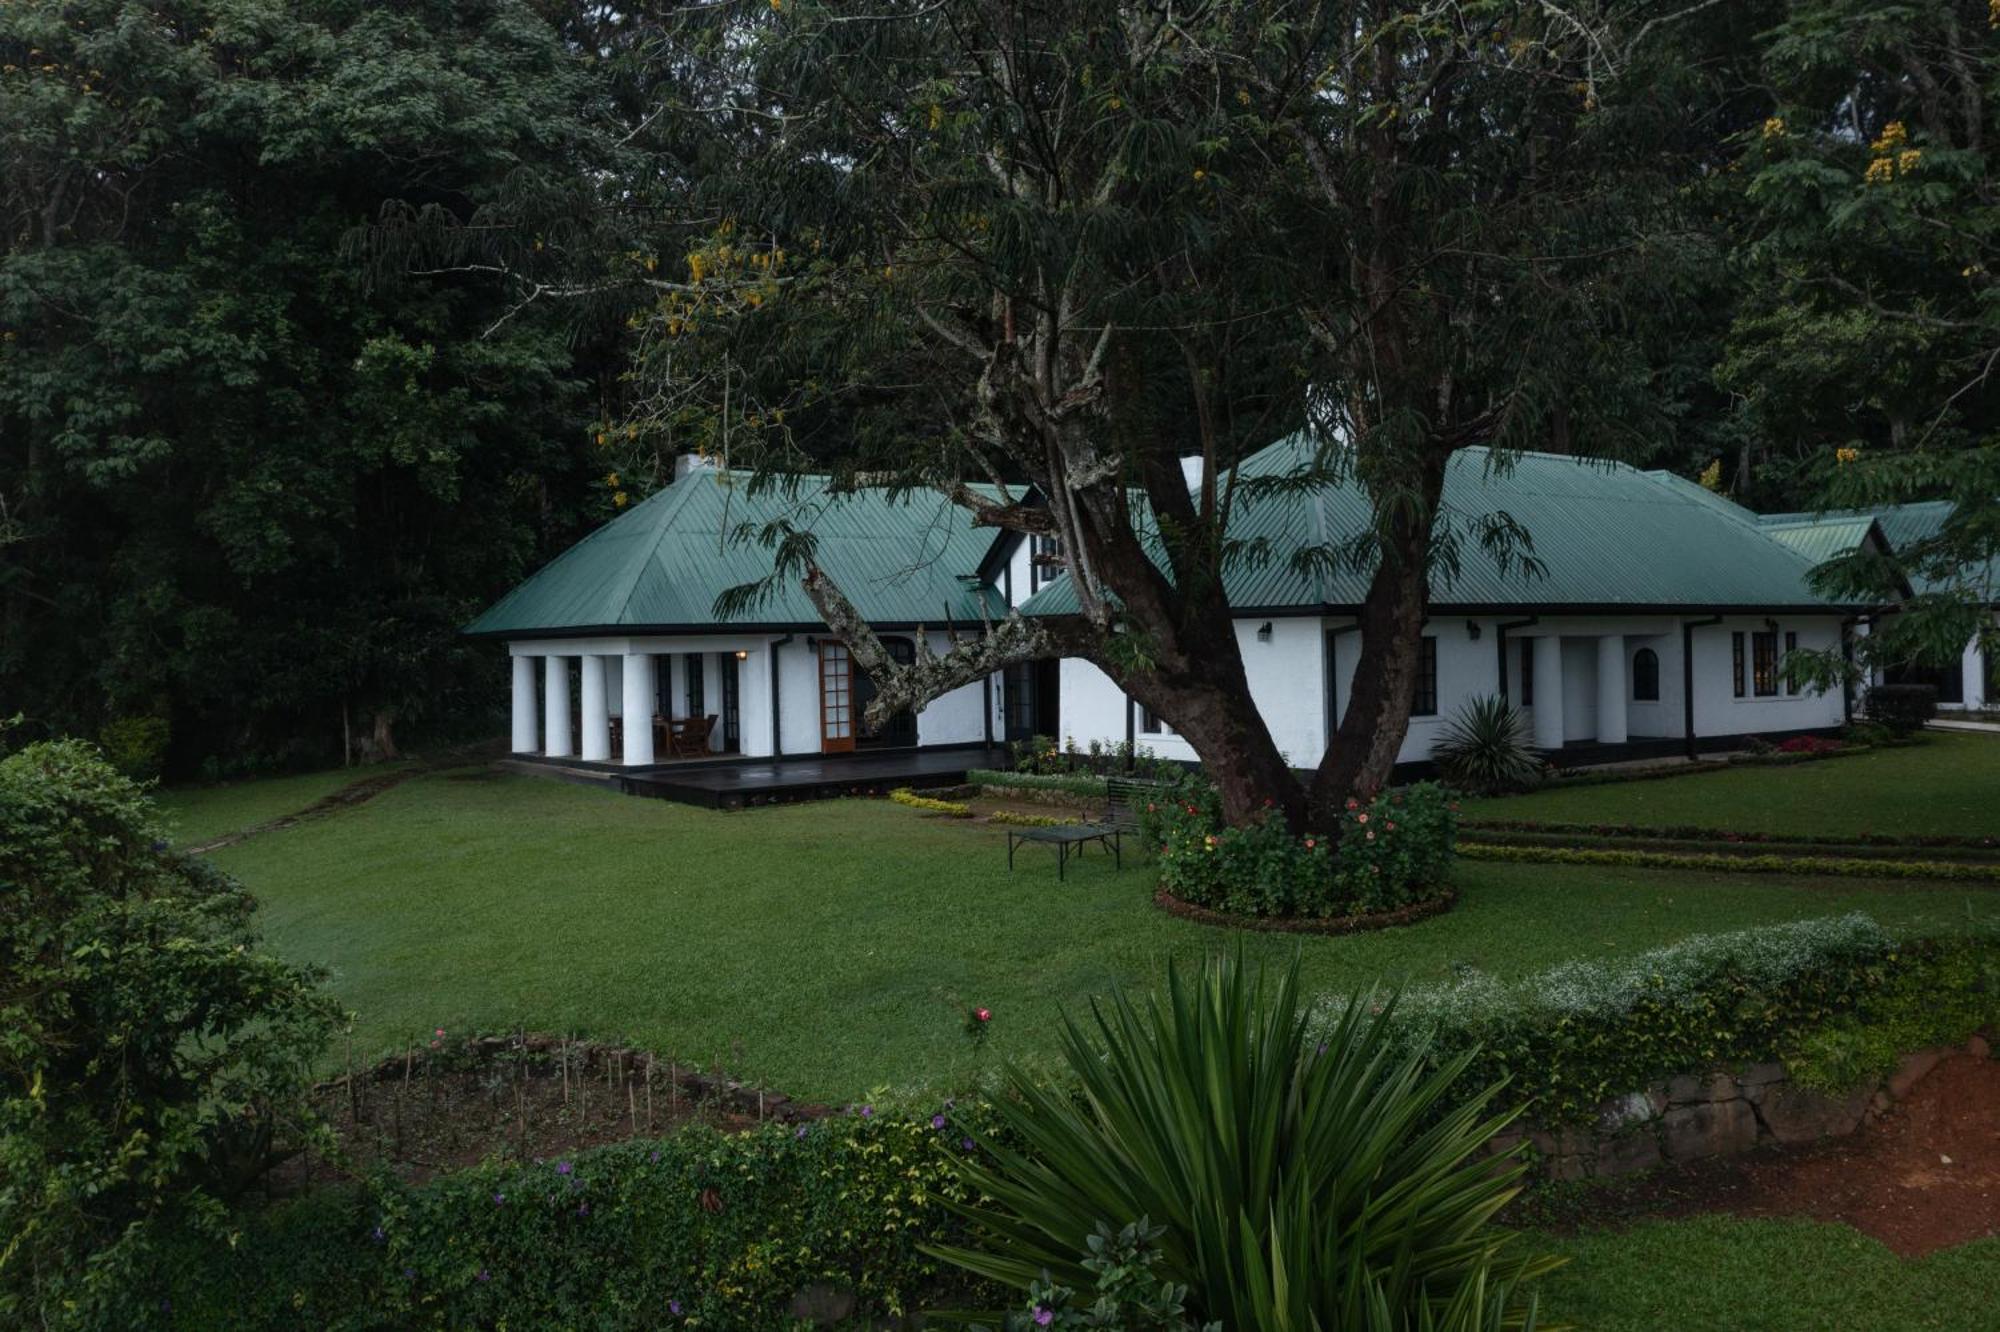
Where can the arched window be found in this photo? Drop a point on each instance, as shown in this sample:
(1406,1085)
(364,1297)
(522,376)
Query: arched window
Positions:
(1645,676)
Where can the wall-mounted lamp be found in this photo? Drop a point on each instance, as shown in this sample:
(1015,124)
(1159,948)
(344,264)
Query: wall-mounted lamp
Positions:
(741,655)
(1472,630)
(1264,632)
(1772,625)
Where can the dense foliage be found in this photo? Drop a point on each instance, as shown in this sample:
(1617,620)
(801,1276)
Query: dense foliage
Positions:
(1264,1152)
(252,483)
(1392,852)
(1579,1034)
(1902,708)
(152,1058)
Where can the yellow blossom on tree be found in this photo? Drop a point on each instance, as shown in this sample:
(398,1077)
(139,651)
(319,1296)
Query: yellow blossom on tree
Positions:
(1907,159)
(1847,455)
(620,500)
(1894,136)
(1774,128)
(1711,476)
(611,479)
(1880,170)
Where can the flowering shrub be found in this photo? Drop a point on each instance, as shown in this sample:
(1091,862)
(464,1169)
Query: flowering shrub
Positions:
(1808,744)
(903,795)
(1392,852)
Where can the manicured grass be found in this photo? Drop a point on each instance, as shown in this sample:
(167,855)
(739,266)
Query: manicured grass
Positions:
(199,813)
(1943,784)
(830,950)
(1729,1272)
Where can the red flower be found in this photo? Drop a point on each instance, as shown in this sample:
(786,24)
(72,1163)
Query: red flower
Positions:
(1390,825)
(983,1014)
(1352,803)
(1309,843)
(1361,818)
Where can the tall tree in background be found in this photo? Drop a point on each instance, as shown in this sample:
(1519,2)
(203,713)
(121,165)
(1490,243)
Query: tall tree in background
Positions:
(248,480)
(1865,346)
(1070,244)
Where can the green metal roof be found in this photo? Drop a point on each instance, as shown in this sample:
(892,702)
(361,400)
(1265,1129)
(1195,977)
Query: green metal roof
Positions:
(1608,536)
(659,566)
(1820,539)
(1900,524)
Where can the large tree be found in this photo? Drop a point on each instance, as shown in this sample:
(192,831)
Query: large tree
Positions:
(250,481)
(1058,247)
(1868,332)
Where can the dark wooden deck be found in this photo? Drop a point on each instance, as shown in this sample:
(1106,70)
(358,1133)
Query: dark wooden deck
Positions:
(737,783)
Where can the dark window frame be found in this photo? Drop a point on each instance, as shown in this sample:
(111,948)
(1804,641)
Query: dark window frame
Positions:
(1527,672)
(1791,671)
(1151,723)
(1425,702)
(1736,662)
(694,690)
(1645,676)
(1764,663)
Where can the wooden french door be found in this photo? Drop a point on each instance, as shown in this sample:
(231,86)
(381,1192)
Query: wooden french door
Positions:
(836,699)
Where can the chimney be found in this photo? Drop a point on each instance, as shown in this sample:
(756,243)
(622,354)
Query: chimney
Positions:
(692,462)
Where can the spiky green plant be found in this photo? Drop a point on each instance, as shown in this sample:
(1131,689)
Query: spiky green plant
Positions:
(1485,749)
(1300,1186)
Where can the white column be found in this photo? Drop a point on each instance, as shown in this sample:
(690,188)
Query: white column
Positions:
(1973,672)
(555,707)
(638,723)
(1611,689)
(596,721)
(1548,692)
(525,740)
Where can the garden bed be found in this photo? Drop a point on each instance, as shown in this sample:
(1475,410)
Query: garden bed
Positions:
(521,1097)
(1378,920)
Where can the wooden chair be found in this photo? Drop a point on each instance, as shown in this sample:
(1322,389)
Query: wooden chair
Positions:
(690,738)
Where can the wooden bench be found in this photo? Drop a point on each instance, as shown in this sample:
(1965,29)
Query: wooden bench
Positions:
(1122,797)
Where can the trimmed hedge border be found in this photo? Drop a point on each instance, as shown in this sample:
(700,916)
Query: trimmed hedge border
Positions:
(1014,820)
(1069,783)
(1832,866)
(1379,920)
(903,795)
(1963,855)
(1689,832)
(1668,768)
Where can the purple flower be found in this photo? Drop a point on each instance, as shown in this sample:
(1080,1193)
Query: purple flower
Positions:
(583,1209)
(937,1121)
(674,1307)
(562,1167)
(802,1131)
(654,1158)
(410,1273)
(377,1235)
(966,1143)
(499,1198)
(1044,1316)
(868,1112)
(485,1275)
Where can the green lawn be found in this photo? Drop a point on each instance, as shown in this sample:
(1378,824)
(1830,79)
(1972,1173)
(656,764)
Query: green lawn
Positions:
(830,950)
(199,813)
(1729,1272)
(1944,784)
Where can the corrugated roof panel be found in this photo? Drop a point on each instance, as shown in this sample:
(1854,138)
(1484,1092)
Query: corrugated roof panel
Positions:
(1605,535)
(1820,541)
(663,563)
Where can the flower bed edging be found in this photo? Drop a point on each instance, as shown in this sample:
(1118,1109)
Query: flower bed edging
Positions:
(1378,920)
(1830,866)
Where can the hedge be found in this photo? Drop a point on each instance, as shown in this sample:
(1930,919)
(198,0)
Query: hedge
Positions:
(704,1229)
(715,1230)
(1689,832)
(1831,866)
(1580,1034)
(1075,783)
(903,795)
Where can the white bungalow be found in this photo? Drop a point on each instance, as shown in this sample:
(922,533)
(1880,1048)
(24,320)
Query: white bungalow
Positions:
(1657,620)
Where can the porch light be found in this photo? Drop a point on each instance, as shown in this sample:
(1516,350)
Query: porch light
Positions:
(742,655)
(1264,632)
(1472,630)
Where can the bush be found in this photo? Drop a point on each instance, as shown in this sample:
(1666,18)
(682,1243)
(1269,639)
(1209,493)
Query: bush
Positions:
(1340,1185)
(1394,852)
(705,1229)
(1867,733)
(1903,708)
(1808,744)
(903,795)
(1579,1034)
(153,1060)
(136,746)
(1484,749)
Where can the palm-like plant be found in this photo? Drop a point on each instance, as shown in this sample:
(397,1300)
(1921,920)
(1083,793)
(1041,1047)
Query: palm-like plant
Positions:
(1300,1186)
(1485,749)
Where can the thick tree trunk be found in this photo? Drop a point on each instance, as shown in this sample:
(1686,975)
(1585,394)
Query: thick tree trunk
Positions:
(1233,743)
(1363,754)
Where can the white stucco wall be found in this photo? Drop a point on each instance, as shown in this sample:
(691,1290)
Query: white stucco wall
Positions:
(956,718)
(1716,709)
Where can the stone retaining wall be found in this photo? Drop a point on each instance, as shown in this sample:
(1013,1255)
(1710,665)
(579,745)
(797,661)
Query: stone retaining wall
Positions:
(1695,1116)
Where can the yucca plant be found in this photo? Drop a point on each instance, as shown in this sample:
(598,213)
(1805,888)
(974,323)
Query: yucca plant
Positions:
(1299,1185)
(1485,749)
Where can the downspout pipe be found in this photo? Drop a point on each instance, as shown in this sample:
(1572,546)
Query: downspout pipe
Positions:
(1847,655)
(777,731)
(1687,677)
(1500,633)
